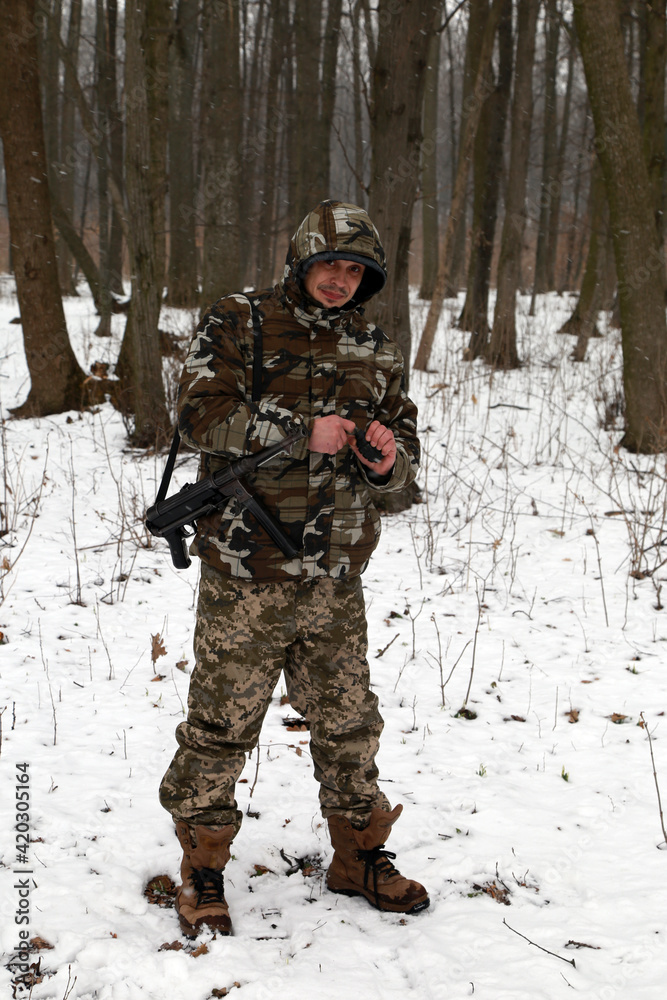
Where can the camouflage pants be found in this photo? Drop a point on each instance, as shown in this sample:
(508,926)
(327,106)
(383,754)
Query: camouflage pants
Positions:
(246,634)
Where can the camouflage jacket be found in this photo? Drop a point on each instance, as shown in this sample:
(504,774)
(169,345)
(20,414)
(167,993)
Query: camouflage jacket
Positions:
(316,362)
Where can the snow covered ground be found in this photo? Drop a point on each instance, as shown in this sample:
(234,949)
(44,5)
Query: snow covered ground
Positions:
(525,589)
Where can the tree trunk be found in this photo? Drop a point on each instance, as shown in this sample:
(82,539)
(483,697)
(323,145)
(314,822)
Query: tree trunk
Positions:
(582,322)
(488,167)
(140,363)
(429,168)
(557,196)
(56,378)
(502,350)
(67,145)
(155,42)
(252,82)
(328,85)
(267,214)
(103,298)
(653,79)
(359,187)
(469,130)
(307,132)
(182,277)
(221,136)
(397,98)
(549,185)
(115,262)
(639,262)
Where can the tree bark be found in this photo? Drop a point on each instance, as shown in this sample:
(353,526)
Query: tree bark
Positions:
(155,43)
(139,365)
(115,262)
(639,261)
(221,137)
(653,94)
(182,286)
(549,183)
(487,168)
(307,131)
(502,349)
(479,94)
(582,322)
(68,180)
(556,198)
(429,170)
(328,85)
(56,378)
(397,98)
(267,212)
(360,191)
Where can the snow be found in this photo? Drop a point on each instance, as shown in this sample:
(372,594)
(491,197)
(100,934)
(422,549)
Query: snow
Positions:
(512,580)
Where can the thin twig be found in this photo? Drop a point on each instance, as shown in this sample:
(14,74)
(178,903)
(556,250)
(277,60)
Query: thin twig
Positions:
(383,651)
(655,776)
(570,961)
(474,650)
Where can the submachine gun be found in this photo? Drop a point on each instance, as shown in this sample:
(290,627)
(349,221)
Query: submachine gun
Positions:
(167,518)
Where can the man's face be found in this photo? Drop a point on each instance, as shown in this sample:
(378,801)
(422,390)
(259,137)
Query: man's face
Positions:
(333,282)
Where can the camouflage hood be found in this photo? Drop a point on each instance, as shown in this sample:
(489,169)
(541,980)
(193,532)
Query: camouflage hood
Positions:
(334,230)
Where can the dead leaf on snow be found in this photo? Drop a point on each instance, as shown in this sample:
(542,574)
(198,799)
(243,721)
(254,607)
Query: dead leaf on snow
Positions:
(39,944)
(261,870)
(160,890)
(157,647)
(501,895)
(617,718)
(225,990)
(572,715)
(201,950)
(173,946)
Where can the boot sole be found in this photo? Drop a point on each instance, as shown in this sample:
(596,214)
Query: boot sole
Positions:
(421,904)
(192,930)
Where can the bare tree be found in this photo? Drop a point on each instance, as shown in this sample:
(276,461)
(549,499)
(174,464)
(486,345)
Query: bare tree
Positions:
(221,137)
(583,321)
(549,184)
(471,121)
(140,364)
(639,262)
(429,168)
(182,287)
(67,126)
(397,97)
(56,378)
(502,350)
(487,167)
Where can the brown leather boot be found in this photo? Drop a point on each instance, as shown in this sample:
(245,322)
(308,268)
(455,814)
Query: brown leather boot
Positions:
(200,900)
(361,866)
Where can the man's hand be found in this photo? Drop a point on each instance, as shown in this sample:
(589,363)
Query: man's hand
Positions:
(382,438)
(330,434)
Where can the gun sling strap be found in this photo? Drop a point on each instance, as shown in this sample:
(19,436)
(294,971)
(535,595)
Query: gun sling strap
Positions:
(256,396)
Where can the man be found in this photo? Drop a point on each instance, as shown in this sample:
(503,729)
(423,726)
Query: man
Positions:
(298,354)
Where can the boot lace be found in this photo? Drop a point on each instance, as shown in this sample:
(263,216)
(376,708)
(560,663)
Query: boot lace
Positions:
(379,862)
(209,884)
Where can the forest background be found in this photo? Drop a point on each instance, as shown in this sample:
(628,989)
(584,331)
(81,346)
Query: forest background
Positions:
(172,146)
(516,615)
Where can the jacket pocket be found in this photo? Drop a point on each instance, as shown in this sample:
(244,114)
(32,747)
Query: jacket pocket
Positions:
(354,537)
